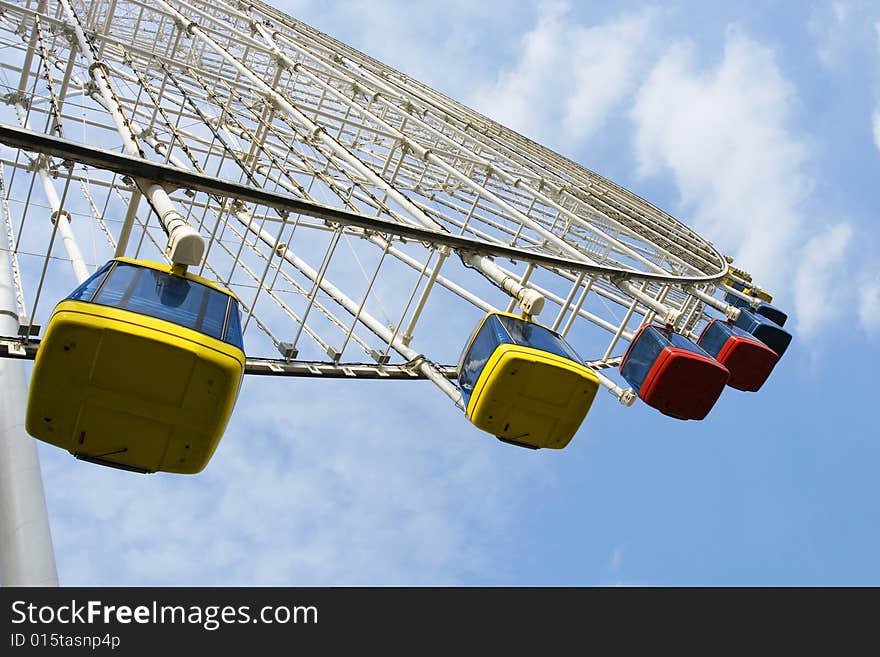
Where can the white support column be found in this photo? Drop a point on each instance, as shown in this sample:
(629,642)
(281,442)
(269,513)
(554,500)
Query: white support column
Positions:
(26,554)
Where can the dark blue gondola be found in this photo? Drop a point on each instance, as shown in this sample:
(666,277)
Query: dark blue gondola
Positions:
(766,330)
(748,360)
(765,309)
(672,374)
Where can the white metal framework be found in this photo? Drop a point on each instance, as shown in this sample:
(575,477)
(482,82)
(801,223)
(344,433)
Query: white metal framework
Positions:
(364,220)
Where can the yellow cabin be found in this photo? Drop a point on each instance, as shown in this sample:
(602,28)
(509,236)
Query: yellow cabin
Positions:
(524,383)
(139,369)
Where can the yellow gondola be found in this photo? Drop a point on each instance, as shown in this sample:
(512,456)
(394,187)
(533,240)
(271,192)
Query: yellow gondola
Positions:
(139,369)
(524,383)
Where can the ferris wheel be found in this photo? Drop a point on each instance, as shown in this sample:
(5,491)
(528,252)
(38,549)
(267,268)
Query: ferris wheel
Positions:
(294,200)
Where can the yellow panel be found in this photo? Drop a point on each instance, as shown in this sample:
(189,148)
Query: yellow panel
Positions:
(125,375)
(532,397)
(161,392)
(107,433)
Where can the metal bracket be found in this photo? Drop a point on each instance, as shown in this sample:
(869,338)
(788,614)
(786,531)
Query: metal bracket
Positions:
(379,357)
(287,350)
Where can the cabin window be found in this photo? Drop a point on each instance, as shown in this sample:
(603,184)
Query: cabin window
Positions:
(164,296)
(233,326)
(88,287)
(642,355)
(528,334)
(490,335)
(680,342)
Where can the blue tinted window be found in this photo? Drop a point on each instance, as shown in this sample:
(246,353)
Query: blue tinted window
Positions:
(772,313)
(642,355)
(167,297)
(490,335)
(734,300)
(233,326)
(647,347)
(767,331)
(529,334)
(87,288)
(681,342)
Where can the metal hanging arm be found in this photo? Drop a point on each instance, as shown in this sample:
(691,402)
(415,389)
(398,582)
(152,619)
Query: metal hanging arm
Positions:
(185,245)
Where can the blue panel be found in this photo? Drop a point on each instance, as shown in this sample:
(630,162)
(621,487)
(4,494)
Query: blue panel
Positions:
(233,326)
(716,335)
(161,295)
(770,312)
(734,300)
(642,355)
(490,335)
(680,342)
(767,331)
(88,287)
(529,334)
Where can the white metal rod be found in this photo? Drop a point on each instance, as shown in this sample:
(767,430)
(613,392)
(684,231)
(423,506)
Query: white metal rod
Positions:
(29,55)
(531,304)
(423,298)
(619,332)
(578,306)
(58,215)
(377,327)
(753,301)
(10,240)
(128,222)
(625,396)
(668,315)
(732,312)
(567,304)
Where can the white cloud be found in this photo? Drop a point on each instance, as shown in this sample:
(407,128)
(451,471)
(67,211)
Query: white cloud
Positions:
(442,44)
(568,76)
(743,173)
(876,126)
(818,278)
(723,134)
(833,27)
(315,483)
(869,306)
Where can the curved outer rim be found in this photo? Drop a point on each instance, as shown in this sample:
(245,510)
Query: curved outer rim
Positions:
(145,170)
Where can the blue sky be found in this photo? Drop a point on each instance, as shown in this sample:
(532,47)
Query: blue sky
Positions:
(758,124)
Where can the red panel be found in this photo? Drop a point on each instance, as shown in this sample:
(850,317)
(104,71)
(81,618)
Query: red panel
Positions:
(684,384)
(749,361)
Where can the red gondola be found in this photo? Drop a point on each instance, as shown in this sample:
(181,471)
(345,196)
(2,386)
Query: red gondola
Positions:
(748,360)
(672,374)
